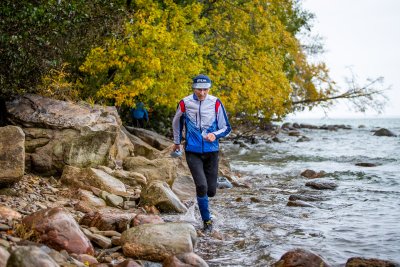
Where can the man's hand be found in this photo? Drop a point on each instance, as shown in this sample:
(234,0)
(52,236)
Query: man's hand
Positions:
(210,137)
(176,147)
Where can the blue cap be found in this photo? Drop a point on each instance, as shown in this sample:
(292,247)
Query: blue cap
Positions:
(201,82)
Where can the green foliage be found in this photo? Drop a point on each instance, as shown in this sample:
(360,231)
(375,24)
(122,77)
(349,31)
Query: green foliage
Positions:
(37,36)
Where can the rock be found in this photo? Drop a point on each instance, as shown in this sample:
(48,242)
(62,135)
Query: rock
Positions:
(363,262)
(58,229)
(30,257)
(156,140)
(384,132)
(304,198)
(157,242)
(12,154)
(91,177)
(322,185)
(127,177)
(86,259)
(141,148)
(159,194)
(108,219)
(184,188)
(307,126)
(100,240)
(7,213)
(312,174)
(303,139)
(366,164)
(287,125)
(4,255)
(299,258)
(277,140)
(361,126)
(146,219)
(162,169)
(294,133)
(79,135)
(128,263)
(299,203)
(192,259)
(114,200)
(91,199)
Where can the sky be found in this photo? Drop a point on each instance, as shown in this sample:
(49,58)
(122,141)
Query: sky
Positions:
(363,35)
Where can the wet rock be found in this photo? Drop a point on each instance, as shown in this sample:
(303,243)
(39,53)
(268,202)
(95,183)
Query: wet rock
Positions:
(159,194)
(58,229)
(366,164)
(146,219)
(91,177)
(363,262)
(12,154)
(30,257)
(313,174)
(4,255)
(184,187)
(307,126)
(304,198)
(300,258)
(384,132)
(7,213)
(161,169)
(323,185)
(157,242)
(294,133)
(107,219)
(277,140)
(90,198)
(361,126)
(79,135)
(299,203)
(303,139)
(287,125)
(255,200)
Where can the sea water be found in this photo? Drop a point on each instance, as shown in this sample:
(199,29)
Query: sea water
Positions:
(360,218)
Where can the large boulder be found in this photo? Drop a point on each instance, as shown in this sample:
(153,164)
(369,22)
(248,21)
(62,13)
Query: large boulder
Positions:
(12,154)
(61,133)
(161,169)
(159,194)
(141,148)
(157,242)
(91,177)
(58,229)
(299,258)
(152,138)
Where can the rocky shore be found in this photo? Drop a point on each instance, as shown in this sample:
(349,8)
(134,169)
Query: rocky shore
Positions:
(80,189)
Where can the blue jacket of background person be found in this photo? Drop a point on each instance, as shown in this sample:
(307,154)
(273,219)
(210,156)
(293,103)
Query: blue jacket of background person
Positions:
(139,112)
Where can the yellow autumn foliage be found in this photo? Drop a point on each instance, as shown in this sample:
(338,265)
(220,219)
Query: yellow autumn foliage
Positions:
(248,48)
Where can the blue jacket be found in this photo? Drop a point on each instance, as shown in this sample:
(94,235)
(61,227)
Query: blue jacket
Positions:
(139,112)
(200,117)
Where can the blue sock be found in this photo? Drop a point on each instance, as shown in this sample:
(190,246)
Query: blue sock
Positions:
(203,207)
